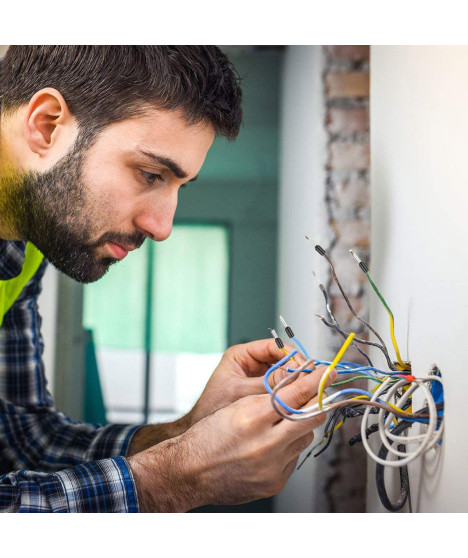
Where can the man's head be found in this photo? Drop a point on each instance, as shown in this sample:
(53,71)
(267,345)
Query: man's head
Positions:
(100,139)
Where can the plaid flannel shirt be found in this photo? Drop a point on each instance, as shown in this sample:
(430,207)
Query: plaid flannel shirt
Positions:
(49,463)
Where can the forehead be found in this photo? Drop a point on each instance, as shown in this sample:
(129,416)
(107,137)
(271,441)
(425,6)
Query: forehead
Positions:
(165,133)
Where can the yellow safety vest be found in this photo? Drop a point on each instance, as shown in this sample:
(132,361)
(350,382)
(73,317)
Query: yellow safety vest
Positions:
(10,289)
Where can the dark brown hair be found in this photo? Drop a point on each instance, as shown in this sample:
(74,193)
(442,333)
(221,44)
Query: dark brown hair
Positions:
(106,84)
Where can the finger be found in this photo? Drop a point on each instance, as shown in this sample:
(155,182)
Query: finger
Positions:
(294,430)
(303,389)
(257,356)
(288,368)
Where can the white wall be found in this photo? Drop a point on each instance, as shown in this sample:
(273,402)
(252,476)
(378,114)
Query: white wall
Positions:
(419,125)
(301,212)
(48,310)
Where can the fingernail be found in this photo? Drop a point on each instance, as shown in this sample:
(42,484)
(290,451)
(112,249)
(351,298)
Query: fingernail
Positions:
(333,375)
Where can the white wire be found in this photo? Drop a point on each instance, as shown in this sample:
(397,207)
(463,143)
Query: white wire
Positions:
(416,438)
(383,426)
(428,440)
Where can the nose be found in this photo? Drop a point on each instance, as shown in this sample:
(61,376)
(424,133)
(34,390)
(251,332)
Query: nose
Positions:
(156,219)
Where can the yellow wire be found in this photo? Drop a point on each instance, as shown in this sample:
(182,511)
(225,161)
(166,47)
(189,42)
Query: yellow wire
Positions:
(286,352)
(331,367)
(394,407)
(402,366)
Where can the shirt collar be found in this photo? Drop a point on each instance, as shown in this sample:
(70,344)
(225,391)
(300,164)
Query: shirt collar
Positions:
(11,258)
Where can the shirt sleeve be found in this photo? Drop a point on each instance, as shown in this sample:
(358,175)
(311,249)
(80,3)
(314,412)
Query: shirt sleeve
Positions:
(58,464)
(103,486)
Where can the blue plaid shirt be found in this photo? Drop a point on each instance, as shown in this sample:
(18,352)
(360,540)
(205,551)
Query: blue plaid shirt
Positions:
(49,463)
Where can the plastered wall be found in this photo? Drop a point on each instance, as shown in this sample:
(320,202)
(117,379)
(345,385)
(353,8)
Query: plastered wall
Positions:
(419,151)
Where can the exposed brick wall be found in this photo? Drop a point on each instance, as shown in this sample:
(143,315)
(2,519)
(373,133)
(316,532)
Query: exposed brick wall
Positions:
(346,86)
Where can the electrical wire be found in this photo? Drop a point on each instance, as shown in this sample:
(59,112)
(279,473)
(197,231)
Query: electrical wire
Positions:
(365,269)
(331,367)
(335,321)
(391,398)
(328,405)
(323,253)
(427,440)
(337,328)
(404,478)
(278,341)
(290,334)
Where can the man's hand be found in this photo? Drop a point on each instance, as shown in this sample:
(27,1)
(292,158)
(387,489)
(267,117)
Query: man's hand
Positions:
(240,453)
(239,373)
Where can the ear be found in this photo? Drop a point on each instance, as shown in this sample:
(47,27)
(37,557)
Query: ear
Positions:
(49,126)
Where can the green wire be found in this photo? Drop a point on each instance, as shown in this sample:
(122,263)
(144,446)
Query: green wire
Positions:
(374,286)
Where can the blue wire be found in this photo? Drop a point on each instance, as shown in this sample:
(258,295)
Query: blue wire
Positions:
(269,372)
(301,346)
(300,411)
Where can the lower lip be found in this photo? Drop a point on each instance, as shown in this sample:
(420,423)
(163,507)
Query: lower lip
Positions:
(118,251)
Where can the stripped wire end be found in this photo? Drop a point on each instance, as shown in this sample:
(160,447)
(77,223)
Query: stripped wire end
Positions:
(319,316)
(288,330)
(273,333)
(321,287)
(318,248)
(319,283)
(278,341)
(362,265)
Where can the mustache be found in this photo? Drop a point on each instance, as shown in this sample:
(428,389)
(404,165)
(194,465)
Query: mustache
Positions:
(134,240)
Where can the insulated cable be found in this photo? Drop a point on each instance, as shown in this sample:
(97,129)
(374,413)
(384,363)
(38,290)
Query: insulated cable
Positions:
(337,328)
(335,321)
(365,269)
(291,335)
(323,253)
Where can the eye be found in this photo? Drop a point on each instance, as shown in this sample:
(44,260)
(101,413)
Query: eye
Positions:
(151,177)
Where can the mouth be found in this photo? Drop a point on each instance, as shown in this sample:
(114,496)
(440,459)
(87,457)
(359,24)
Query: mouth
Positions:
(119,251)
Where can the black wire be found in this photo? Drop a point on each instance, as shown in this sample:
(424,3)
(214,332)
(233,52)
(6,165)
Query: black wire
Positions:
(345,412)
(338,328)
(330,436)
(405,493)
(322,252)
(404,478)
(358,437)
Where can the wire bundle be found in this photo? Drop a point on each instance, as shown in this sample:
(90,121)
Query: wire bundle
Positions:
(391,399)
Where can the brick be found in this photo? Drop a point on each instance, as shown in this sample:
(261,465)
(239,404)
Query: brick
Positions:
(356,53)
(352,156)
(341,121)
(345,85)
(354,234)
(350,191)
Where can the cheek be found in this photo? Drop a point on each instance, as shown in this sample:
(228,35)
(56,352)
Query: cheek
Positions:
(107,210)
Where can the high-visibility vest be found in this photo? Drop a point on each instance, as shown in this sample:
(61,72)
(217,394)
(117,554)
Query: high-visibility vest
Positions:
(10,289)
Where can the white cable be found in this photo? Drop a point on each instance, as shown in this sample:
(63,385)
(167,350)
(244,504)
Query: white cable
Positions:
(384,425)
(428,440)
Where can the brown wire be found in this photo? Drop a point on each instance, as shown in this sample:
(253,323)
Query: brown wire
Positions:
(286,381)
(325,255)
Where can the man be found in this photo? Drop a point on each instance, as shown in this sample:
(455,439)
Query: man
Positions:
(95,143)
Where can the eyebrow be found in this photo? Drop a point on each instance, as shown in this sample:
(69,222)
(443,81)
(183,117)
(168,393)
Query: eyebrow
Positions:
(167,162)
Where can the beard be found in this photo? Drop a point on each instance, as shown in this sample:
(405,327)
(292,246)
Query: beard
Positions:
(56,212)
